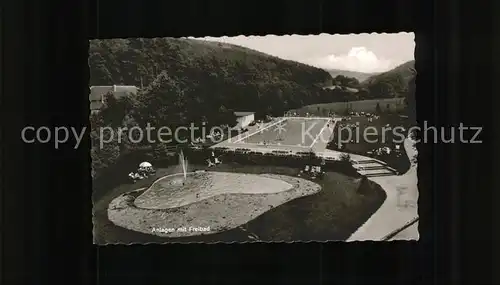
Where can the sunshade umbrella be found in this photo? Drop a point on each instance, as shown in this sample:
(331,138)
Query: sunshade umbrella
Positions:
(145,164)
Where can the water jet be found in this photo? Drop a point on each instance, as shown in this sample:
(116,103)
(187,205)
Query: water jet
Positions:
(183,163)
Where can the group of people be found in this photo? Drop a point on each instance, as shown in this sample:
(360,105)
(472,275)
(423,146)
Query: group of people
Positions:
(213,160)
(313,171)
(385,150)
(145,169)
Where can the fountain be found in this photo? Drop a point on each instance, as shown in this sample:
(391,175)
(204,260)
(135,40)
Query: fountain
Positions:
(183,163)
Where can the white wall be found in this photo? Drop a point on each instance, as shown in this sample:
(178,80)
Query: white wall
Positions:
(245,120)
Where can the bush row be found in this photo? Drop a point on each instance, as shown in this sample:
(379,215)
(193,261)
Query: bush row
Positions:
(117,174)
(275,159)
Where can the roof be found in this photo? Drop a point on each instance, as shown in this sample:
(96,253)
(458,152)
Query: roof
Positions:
(96,92)
(341,87)
(126,89)
(242,114)
(95,105)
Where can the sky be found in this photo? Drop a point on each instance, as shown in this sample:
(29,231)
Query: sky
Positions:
(354,52)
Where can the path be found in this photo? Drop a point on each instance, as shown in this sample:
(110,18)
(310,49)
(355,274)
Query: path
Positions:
(365,165)
(368,166)
(399,207)
(407,234)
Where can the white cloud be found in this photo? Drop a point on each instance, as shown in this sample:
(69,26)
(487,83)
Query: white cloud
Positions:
(360,52)
(357,59)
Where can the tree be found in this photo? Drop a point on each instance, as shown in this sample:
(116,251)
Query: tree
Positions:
(105,156)
(362,94)
(381,89)
(410,99)
(345,81)
(116,109)
(161,151)
(183,85)
(346,111)
(378,110)
(222,117)
(345,157)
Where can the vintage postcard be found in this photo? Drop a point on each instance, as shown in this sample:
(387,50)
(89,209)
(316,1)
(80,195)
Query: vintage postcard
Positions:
(254,139)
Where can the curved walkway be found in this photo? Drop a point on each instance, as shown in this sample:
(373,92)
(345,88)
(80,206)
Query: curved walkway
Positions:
(399,207)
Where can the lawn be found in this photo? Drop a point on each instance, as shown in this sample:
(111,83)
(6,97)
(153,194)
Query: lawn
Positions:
(342,206)
(367,136)
(391,104)
(294,132)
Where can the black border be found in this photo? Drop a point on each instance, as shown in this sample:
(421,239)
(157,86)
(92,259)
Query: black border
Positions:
(44,82)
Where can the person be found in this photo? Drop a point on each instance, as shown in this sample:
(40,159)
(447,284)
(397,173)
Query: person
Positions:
(143,172)
(131,175)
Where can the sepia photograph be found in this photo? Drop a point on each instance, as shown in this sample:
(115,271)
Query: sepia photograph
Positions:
(272,138)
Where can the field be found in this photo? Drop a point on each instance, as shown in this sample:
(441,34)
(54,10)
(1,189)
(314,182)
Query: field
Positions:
(341,207)
(291,132)
(383,129)
(392,104)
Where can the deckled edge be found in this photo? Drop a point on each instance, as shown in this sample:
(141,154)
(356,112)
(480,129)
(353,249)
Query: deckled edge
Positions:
(264,242)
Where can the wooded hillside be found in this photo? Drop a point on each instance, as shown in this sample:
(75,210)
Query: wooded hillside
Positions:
(186,81)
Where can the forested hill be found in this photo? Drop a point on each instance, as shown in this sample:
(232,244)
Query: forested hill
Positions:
(392,83)
(404,71)
(209,73)
(187,81)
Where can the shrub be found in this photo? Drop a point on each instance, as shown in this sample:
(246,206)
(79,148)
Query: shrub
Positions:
(364,185)
(345,157)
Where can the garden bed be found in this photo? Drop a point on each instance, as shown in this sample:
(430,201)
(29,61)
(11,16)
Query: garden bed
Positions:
(334,213)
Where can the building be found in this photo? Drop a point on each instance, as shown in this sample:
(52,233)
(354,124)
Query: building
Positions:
(244,119)
(97,94)
(332,87)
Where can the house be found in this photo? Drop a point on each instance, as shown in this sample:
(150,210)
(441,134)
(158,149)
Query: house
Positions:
(350,89)
(331,87)
(244,119)
(97,94)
